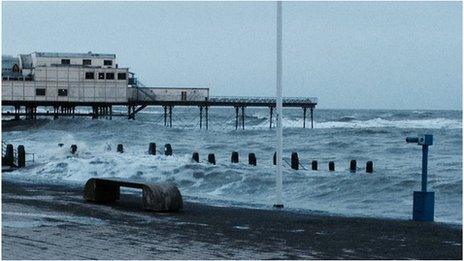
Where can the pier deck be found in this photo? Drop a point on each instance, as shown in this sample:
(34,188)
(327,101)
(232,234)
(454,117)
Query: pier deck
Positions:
(105,109)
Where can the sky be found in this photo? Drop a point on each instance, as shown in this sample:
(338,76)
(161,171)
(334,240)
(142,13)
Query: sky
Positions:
(351,55)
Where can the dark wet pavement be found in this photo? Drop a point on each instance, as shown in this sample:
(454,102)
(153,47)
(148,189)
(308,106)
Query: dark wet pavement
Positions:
(42,221)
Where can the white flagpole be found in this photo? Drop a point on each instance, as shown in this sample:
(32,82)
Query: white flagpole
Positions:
(279,202)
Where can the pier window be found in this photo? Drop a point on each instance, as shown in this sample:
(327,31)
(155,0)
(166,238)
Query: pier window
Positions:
(122,76)
(89,75)
(40,92)
(87,62)
(101,76)
(62,92)
(65,61)
(110,76)
(107,62)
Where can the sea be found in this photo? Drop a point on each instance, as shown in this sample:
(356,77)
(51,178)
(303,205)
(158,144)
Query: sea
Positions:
(338,135)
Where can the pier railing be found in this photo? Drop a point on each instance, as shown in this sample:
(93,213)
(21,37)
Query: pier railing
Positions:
(249,99)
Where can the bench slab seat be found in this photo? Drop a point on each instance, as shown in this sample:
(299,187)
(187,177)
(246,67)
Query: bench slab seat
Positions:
(162,197)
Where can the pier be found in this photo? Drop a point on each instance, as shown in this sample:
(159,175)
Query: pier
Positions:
(28,109)
(65,81)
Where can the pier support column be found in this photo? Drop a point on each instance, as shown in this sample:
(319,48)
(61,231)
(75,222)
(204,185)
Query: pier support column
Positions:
(311,112)
(94,112)
(236,117)
(17,109)
(111,112)
(271,111)
(131,112)
(31,112)
(55,112)
(201,116)
(206,116)
(243,117)
(165,114)
(27,111)
(304,117)
(170,116)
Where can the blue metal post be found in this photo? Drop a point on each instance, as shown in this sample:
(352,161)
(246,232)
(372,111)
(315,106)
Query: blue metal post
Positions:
(425,152)
(423,201)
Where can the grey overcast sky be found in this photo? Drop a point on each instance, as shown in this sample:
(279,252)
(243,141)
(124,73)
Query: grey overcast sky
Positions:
(379,55)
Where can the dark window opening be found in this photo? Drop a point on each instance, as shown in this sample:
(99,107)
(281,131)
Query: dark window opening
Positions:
(15,68)
(109,76)
(62,92)
(40,92)
(122,76)
(86,62)
(107,62)
(101,76)
(183,96)
(65,61)
(89,75)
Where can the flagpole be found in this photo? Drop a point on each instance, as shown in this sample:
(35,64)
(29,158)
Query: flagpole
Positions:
(279,201)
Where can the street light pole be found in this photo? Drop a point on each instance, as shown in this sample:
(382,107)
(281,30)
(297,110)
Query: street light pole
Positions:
(279,202)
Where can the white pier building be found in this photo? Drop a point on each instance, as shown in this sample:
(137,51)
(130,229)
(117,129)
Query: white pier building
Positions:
(80,77)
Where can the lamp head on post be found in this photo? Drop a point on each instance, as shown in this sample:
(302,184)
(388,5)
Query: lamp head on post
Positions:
(425,139)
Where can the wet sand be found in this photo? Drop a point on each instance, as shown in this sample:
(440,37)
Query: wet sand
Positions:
(43,221)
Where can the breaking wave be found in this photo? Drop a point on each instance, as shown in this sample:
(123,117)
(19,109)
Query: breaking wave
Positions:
(438,123)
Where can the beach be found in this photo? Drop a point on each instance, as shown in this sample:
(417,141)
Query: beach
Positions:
(53,221)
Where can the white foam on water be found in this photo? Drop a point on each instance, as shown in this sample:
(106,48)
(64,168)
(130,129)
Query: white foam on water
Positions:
(437,123)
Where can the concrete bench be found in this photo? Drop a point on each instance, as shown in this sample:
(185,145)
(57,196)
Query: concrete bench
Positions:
(161,197)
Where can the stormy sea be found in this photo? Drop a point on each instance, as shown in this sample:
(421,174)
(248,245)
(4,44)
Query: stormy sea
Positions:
(338,135)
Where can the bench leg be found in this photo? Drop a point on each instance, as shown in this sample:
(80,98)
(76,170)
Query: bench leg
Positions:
(101,192)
